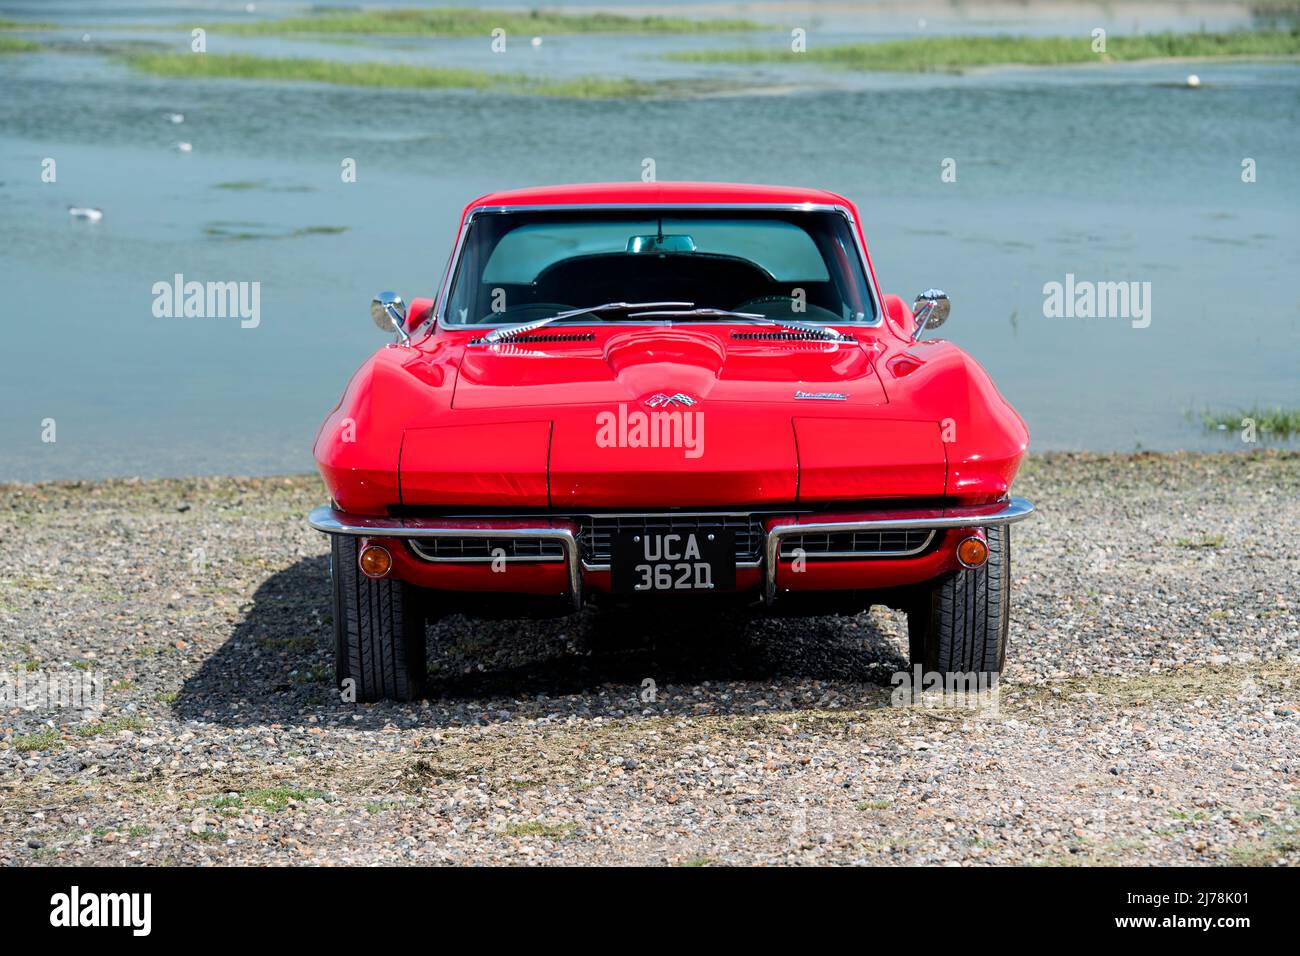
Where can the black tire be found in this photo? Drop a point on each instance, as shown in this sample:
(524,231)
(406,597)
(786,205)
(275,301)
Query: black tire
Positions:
(378,631)
(958,623)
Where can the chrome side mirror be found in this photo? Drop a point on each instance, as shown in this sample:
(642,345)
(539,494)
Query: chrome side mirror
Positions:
(931,310)
(388,312)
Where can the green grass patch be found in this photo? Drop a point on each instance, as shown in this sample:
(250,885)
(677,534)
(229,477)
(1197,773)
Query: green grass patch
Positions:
(459,22)
(950,53)
(28,582)
(266,798)
(110,726)
(1276,422)
(318,674)
(538,828)
(8,23)
(45,740)
(872,805)
(17,45)
(393,76)
(293,642)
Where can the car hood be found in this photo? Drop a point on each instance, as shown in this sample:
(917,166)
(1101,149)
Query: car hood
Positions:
(752,364)
(746,416)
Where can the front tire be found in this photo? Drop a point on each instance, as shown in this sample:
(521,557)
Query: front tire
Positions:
(958,623)
(378,631)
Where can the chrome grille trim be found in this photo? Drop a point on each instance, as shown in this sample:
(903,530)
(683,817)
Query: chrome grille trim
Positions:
(1006,511)
(857,544)
(461,550)
(1003,512)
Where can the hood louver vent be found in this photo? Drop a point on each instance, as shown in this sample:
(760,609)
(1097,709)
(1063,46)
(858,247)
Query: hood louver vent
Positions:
(543,337)
(790,336)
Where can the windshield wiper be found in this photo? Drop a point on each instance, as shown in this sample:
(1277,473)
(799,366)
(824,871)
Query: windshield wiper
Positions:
(700,313)
(822,331)
(510,331)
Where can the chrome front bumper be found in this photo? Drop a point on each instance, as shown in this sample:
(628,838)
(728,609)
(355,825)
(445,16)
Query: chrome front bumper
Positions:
(1006,511)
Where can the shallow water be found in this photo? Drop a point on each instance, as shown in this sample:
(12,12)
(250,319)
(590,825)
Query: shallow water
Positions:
(1115,173)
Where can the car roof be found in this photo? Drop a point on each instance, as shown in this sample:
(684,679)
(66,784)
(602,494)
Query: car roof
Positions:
(636,193)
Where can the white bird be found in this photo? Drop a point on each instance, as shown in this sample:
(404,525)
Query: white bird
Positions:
(176,117)
(1193,80)
(184,147)
(88,213)
(536,41)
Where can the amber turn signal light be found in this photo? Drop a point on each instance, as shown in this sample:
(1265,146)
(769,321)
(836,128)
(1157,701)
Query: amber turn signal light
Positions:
(972,552)
(375,561)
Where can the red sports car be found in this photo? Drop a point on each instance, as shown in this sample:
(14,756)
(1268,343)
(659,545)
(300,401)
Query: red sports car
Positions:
(648,391)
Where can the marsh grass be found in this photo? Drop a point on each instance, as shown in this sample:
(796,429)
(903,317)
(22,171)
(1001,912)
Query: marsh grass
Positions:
(306,70)
(458,21)
(8,23)
(17,45)
(1276,422)
(955,54)
(245,232)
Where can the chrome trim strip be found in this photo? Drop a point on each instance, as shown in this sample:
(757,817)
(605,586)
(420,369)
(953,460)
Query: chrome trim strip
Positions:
(439,309)
(423,555)
(818,555)
(1013,509)
(329,521)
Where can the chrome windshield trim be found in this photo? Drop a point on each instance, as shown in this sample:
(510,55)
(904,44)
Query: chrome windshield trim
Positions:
(439,310)
(979,516)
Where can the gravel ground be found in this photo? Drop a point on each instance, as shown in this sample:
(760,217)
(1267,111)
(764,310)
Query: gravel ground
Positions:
(1149,713)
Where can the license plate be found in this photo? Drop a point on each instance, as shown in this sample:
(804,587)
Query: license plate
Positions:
(700,559)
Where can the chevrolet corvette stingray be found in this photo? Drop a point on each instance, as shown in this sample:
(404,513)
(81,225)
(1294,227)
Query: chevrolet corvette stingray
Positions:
(662,392)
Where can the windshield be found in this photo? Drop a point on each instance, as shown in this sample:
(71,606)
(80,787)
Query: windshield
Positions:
(524,266)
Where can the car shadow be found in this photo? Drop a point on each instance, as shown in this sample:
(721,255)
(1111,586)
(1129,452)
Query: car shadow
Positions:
(277,664)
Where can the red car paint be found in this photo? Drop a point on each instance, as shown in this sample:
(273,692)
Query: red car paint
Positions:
(443,428)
